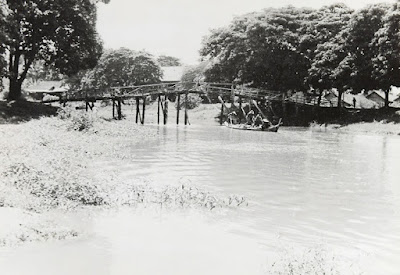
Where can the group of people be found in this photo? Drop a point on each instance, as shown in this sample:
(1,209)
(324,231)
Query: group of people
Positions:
(251,119)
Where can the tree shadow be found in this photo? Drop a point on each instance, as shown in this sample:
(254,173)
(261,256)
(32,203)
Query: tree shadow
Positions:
(14,112)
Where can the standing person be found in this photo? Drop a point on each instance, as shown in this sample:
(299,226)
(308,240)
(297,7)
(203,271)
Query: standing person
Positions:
(354,102)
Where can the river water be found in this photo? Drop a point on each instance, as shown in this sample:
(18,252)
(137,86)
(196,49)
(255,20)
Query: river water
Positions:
(326,192)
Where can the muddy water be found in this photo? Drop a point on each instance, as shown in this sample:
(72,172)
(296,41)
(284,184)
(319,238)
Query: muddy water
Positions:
(306,189)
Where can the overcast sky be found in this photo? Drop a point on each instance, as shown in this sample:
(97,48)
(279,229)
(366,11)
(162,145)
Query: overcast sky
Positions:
(176,27)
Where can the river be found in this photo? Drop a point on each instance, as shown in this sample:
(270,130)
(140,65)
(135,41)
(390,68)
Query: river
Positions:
(332,193)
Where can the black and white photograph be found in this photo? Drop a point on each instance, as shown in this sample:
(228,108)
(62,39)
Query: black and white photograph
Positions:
(200,137)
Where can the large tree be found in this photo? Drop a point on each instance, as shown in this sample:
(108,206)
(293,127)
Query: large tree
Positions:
(121,67)
(59,32)
(386,63)
(322,43)
(3,64)
(361,50)
(260,49)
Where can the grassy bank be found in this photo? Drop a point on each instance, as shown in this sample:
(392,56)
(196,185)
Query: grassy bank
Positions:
(55,163)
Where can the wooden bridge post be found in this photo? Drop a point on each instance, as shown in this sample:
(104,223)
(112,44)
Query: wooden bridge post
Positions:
(113,108)
(119,108)
(137,109)
(144,109)
(222,113)
(166,110)
(178,107)
(284,105)
(158,110)
(186,108)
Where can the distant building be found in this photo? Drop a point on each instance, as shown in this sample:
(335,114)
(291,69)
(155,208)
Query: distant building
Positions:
(396,102)
(330,99)
(172,74)
(42,88)
(378,96)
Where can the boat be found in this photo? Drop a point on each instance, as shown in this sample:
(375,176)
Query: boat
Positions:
(272,128)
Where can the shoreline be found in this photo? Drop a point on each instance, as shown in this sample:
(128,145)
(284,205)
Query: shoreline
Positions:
(54,163)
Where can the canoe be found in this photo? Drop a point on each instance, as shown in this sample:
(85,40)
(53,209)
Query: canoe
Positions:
(273,128)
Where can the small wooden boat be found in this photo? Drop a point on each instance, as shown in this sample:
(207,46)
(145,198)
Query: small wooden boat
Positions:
(273,128)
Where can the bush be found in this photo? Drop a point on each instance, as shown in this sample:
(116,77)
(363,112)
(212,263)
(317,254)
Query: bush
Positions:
(78,121)
(194,100)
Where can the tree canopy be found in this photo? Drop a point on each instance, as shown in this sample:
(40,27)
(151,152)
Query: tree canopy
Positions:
(59,32)
(306,49)
(168,61)
(121,67)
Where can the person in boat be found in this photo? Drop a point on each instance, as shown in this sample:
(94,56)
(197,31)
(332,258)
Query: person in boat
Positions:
(265,124)
(232,117)
(257,120)
(250,117)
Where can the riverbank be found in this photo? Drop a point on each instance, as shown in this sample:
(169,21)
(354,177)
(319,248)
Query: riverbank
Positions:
(55,163)
(375,128)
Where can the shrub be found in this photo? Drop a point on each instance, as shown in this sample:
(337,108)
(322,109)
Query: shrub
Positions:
(78,121)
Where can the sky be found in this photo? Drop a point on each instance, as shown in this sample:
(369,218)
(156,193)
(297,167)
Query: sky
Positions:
(176,27)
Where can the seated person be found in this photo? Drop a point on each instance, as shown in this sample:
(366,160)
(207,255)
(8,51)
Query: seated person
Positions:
(266,124)
(233,117)
(249,117)
(257,120)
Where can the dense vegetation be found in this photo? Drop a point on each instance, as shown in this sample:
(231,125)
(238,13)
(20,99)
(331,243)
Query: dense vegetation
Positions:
(309,50)
(61,33)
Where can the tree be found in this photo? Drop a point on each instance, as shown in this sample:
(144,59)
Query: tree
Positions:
(386,63)
(168,61)
(3,64)
(59,32)
(122,67)
(260,49)
(322,44)
(362,29)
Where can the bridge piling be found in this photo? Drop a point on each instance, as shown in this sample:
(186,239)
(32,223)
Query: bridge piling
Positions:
(119,109)
(158,110)
(186,108)
(143,109)
(166,110)
(137,109)
(222,113)
(178,107)
(113,108)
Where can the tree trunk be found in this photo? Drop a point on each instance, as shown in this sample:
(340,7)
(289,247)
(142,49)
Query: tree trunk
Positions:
(15,89)
(339,101)
(319,97)
(387,98)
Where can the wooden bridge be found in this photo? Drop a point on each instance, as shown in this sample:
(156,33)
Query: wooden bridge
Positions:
(161,92)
